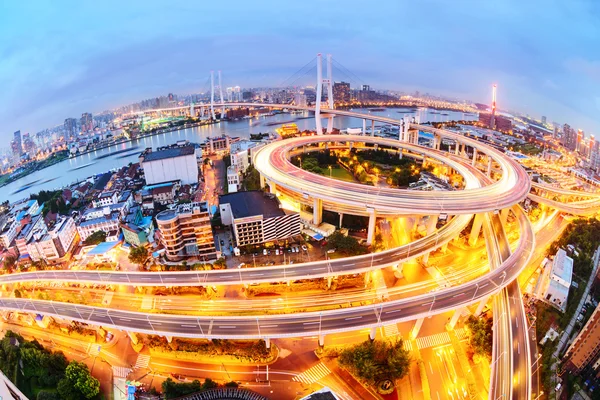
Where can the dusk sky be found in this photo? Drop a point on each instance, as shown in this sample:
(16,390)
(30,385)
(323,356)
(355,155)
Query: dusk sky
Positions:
(59,59)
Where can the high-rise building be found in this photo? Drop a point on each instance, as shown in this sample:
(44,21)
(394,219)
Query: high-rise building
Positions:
(17,145)
(366,88)
(87,122)
(569,138)
(543,119)
(493,113)
(185,232)
(584,351)
(579,143)
(594,154)
(341,92)
(300,100)
(70,127)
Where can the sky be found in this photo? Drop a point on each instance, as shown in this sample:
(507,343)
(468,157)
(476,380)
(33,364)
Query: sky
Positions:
(59,59)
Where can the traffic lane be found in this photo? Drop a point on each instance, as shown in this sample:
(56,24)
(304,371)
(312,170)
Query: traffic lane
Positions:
(521,350)
(279,273)
(305,324)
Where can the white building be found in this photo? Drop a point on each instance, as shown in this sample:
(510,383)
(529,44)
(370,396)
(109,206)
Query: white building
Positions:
(241,153)
(170,164)
(233,180)
(9,232)
(52,245)
(559,280)
(106,199)
(97,212)
(256,218)
(108,223)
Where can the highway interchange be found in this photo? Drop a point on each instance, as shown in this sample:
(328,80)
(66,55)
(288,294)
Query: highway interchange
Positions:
(480,196)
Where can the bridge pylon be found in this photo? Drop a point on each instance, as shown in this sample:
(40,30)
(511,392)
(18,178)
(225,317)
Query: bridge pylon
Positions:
(320,82)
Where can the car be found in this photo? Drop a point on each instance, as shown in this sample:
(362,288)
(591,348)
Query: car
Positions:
(331,251)
(222,242)
(264,252)
(304,247)
(295,248)
(276,252)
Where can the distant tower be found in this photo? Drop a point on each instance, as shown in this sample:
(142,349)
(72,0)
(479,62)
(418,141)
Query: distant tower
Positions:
(221,96)
(212,95)
(329,82)
(493,116)
(192,111)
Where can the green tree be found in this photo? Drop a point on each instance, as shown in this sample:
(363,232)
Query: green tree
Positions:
(172,389)
(9,262)
(481,337)
(47,395)
(344,244)
(78,383)
(95,238)
(138,255)
(375,360)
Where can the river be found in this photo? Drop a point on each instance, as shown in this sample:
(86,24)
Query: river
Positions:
(81,167)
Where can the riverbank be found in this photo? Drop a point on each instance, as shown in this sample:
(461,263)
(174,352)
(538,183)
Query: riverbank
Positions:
(147,135)
(34,166)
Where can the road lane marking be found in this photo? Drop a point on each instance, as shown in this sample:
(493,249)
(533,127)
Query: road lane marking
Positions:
(392,311)
(351,318)
(189,326)
(227,326)
(310,323)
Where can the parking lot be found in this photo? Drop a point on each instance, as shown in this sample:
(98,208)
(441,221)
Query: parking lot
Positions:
(278,255)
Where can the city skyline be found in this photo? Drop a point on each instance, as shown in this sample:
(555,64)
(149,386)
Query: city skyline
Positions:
(92,65)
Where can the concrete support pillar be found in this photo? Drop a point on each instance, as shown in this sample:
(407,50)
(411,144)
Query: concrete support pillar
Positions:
(400,154)
(329,281)
(371,229)
(432,223)
(372,333)
(399,271)
(373,128)
(424,160)
(364,131)
(321,340)
(367,278)
(169,339)
(415,330)
(456,149)
(329,125)
(455,317)
(341,219)
(489,168)
(481,305)
(504,216)
(272,187)
(425,257)
(317,211)
(474,157)
(133,337)
(444,248)
(263,182)
(476,229)
(268,343)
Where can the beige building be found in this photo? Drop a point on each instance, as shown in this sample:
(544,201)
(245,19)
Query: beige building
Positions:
(585,349)
(185,232)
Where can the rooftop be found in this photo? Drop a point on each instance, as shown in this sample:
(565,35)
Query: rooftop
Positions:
(169,153)
(247,204)
(181,209)
(562,268)
(112,217)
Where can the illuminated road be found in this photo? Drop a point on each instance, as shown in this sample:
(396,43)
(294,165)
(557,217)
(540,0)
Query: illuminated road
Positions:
(276,273)
(302,324)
